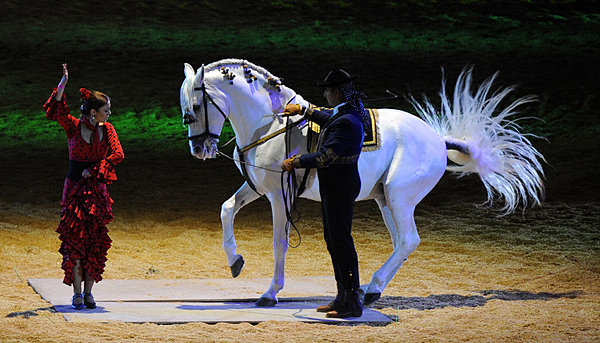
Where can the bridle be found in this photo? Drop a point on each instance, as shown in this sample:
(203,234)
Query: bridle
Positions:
(189,119)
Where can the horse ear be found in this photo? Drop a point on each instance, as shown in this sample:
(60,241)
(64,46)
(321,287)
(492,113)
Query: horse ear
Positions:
(199,76)
(188,71)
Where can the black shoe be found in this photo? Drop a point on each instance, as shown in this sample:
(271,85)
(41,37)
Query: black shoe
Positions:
(78,306)
(350,307)
(89,304)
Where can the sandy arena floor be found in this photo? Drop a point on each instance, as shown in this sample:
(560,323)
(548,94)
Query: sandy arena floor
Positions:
(475,277)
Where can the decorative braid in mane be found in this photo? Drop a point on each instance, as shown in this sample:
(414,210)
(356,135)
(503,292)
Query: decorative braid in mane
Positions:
(239,62)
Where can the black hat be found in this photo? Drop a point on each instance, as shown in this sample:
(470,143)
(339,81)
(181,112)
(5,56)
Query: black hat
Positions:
(337,77)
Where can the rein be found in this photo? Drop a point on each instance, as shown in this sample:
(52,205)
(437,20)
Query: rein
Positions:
(291,192)
(272,135)
(246,163)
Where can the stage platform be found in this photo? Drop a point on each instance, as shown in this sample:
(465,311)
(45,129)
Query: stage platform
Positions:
(199,300)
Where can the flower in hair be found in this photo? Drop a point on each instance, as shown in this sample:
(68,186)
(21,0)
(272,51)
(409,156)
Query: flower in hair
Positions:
(85,94)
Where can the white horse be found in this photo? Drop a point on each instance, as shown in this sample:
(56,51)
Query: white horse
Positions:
(471,131)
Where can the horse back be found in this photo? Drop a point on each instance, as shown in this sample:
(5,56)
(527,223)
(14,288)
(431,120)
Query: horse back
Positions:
(409,152)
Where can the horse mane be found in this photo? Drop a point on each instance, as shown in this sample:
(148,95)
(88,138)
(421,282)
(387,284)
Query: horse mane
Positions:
(236,61)
(187,84)
(271,82)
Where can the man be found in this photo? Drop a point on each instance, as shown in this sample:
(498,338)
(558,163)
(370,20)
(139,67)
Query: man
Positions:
(336,158)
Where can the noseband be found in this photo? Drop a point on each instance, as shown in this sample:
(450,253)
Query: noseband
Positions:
(188,119)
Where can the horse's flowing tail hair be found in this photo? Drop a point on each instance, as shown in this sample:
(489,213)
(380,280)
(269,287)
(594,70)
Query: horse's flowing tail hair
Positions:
(481,139)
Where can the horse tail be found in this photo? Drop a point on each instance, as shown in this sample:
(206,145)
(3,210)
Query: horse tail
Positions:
(480,141)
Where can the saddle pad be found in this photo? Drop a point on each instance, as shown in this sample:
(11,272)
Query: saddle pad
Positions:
(371,141)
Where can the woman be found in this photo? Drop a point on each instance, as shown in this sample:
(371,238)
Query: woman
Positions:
(94,150)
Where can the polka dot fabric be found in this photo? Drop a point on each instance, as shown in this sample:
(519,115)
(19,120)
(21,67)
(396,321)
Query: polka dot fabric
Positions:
(86,204)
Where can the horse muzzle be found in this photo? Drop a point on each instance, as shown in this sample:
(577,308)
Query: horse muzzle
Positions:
(204,146)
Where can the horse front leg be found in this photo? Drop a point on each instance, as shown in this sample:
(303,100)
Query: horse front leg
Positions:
(229,209)
(280,248)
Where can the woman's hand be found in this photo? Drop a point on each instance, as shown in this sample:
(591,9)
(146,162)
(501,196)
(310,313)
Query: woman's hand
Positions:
(65,77)
(63,82)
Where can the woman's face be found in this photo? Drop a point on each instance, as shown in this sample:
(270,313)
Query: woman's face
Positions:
(101,115)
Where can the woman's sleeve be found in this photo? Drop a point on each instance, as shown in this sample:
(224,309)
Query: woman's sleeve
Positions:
(59,111)
(105,170)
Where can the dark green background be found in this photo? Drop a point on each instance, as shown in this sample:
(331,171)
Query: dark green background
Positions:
(135,50)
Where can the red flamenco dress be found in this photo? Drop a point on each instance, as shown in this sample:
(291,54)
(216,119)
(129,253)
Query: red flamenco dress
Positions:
(86,204)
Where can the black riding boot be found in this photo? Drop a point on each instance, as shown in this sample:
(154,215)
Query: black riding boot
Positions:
(350,307)
(333,304)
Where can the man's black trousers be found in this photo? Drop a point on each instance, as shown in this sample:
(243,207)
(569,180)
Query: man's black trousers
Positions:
(339,185)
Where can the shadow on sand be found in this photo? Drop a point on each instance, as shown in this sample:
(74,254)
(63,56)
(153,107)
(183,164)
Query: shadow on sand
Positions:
(455,300)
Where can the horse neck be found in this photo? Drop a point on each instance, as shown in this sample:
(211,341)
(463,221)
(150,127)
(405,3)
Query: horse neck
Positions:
(252,112)
(246,115)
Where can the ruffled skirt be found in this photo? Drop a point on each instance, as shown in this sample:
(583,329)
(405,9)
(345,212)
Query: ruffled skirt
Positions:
(86,210)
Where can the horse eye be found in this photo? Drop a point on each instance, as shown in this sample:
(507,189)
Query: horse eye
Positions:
(196,108)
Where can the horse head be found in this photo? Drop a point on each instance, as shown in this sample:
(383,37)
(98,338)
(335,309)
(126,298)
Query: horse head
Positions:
(187,97)
(201,113)
(208,96)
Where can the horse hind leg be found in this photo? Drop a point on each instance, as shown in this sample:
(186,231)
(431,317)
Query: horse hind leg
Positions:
(229,209)
(400,222)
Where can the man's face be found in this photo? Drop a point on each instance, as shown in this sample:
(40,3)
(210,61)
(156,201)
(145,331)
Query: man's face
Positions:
(333,96)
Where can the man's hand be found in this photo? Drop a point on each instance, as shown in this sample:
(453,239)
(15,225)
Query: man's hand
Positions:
(292,110)
(288,164)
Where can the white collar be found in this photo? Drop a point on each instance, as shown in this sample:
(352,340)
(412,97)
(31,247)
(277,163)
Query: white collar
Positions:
(337,108)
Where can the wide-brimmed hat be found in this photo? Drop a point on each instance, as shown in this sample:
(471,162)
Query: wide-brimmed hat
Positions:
(337,77)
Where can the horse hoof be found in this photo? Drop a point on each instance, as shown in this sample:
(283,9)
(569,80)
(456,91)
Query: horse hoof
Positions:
(265,302)
(370,298)
(236,267)
(361,293)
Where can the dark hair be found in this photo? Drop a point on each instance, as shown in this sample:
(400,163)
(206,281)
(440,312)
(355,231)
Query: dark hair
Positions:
(96,101)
